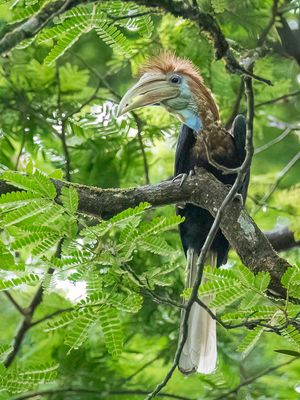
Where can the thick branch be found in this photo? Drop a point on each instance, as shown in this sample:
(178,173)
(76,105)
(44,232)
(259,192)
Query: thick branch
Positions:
(98,393)
(282,239)
(203,190)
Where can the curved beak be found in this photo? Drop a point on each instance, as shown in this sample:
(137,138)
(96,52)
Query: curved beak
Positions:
(150,89)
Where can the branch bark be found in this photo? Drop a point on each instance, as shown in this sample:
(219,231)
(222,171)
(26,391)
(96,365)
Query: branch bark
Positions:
(204,190)
(282,239)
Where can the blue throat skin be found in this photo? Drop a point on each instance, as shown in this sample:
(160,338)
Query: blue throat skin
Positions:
(191,119)
(194,123)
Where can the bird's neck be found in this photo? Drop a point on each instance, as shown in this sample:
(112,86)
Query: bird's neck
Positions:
(207,110)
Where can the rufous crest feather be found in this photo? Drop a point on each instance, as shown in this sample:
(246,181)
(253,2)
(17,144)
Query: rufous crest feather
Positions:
(168,62)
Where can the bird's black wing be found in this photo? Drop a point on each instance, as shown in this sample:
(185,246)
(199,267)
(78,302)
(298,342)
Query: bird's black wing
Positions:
(238,131)
(186,141)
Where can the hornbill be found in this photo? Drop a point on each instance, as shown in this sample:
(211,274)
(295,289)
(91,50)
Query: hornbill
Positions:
(177,85)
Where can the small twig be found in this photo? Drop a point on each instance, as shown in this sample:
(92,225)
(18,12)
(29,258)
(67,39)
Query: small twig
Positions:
(15,303)
(29,312)
(252,379)
(280,176)
(130,377)
(52,315)
(277,99)
(98,393)
(132,16)
(265,32)
(278,139)
(139,125)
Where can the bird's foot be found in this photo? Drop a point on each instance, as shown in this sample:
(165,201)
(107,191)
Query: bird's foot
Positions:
(183,176)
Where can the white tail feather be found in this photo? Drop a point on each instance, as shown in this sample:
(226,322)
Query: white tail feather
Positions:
(199,352)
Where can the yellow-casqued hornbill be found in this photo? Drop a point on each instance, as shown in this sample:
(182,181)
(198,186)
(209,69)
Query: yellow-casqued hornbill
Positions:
(177,85)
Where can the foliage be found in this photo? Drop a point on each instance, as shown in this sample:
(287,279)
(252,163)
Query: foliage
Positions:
(103,323)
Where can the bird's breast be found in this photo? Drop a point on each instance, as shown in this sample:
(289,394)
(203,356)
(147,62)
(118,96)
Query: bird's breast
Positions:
(220,146)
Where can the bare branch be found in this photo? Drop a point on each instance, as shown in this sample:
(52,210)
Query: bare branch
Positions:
(15,303)
(139,124)
(278,139)
(248,381)
(98,393)
(278,99)
(280,176)
(282,239)
(28,315)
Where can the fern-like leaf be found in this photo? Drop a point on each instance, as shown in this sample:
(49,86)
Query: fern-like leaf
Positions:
(69,198)
(64,43)
(36,183)
(156,245)
(17,380)
(13,282)
(112,332)
(250,340)
(78,334)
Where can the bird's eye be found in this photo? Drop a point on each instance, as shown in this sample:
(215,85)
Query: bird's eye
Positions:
(175,79)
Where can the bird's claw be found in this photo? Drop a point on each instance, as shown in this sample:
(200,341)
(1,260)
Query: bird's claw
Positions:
(183,176)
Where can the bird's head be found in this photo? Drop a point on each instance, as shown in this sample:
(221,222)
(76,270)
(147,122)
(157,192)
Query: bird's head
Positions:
(175,84)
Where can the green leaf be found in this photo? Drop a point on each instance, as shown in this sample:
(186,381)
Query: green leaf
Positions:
(226,297)
(17,199)
(250,340)
(69,198)
(36,183)
(22,214)
(292,334)
(291,281)
(7,261)
(64,43)
(156,245)
(11,283)
(16,380)
(111,328)
(289,353)
(79,332)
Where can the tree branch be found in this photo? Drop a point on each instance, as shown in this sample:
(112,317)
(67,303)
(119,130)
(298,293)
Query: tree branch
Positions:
(280,176)
(14,302)
(282,239)
(203,190)
(98,393)
(252,379)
